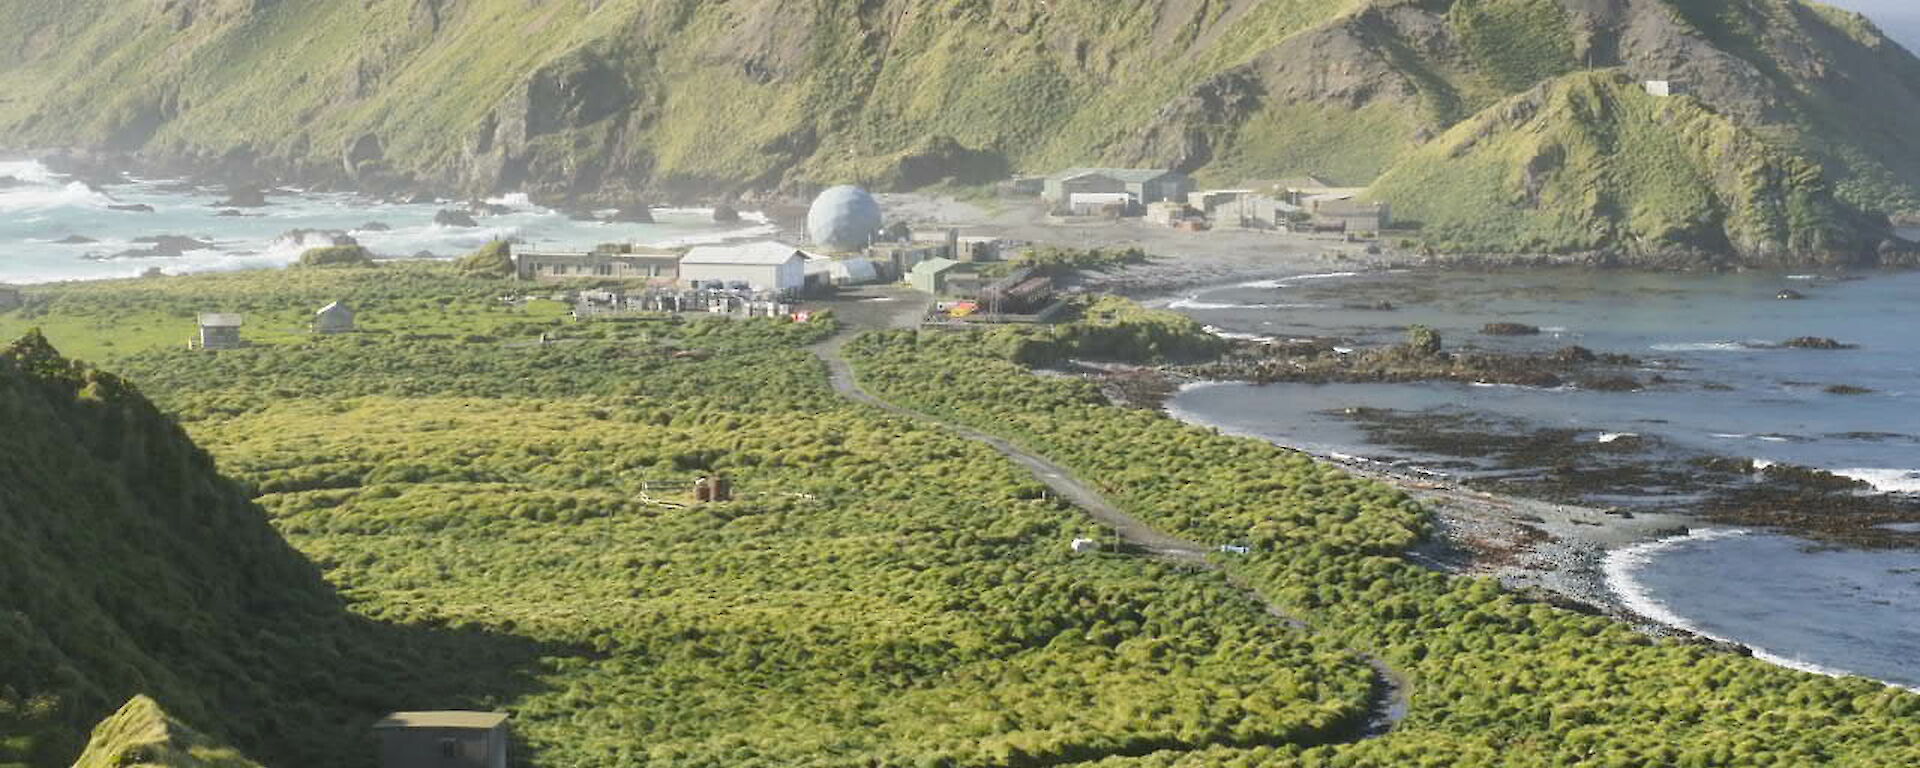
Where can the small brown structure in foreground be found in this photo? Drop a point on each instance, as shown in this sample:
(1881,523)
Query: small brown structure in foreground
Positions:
(443,740)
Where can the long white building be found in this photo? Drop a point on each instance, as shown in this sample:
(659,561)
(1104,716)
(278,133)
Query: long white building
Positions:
(759,266)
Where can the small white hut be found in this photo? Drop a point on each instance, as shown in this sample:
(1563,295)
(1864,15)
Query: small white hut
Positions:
(333,318)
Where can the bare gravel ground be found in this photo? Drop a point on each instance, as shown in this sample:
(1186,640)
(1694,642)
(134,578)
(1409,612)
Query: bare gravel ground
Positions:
(1180,259)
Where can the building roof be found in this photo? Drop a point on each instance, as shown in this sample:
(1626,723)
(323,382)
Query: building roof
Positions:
(219,320)
(1302,183)
(335,308)
(1128,175)
(763,253)
(481,720)
(1335,193)
(634,252)
(1347,207)
(934,266)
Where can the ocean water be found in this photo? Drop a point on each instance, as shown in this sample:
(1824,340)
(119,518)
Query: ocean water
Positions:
(1732,391)
(1796,604)
(39,208)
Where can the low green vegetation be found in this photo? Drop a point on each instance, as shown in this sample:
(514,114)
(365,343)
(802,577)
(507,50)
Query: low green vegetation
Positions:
(102,321)
(480,519)
(1056,261)
(495,260)
(875,592)
(1517,43)
(337,256)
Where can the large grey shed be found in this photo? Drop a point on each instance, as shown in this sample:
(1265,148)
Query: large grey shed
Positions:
(219,331)
(443,740)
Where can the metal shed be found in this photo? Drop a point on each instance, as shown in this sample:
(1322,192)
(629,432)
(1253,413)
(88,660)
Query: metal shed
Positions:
(443,740)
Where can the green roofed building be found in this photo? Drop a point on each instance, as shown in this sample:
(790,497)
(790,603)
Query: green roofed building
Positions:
(932,276)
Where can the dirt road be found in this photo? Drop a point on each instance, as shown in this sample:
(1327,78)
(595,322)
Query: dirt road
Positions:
(903,309)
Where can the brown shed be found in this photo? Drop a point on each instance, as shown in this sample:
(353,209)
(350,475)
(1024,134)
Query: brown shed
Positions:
(443,740)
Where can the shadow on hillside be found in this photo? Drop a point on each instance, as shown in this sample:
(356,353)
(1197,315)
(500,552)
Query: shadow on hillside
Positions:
(367,669)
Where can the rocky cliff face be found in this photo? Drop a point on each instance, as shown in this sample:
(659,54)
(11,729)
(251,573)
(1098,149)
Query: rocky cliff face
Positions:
(615,99)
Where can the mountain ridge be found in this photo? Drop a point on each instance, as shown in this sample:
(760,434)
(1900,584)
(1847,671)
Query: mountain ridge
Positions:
(629,100)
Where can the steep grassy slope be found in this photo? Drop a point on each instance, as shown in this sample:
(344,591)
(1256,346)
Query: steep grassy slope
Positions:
(142,735)
(129,566)
(1590,162)
(643,98)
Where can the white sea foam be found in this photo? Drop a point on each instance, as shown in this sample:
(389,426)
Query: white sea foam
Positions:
(1621,569)
(1236,335)
(512,200)
(30,171)
(40,197)
(1885,480)
(1614,437)
(759,230)
(1283,282)
(1701,346)
(1194,302)
(1505,385)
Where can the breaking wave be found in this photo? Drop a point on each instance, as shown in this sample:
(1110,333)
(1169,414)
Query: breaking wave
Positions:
(1194,302)
(38,197)
(1702,346)
(1885,480)
(1236,335)
(1283,282)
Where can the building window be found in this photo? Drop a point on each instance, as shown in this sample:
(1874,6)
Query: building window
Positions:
(603,270)
(449,749)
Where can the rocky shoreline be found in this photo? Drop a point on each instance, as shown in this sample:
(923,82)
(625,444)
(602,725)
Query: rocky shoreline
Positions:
(1529,525)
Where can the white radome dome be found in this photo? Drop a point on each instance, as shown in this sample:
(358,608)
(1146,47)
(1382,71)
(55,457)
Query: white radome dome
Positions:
(844,219)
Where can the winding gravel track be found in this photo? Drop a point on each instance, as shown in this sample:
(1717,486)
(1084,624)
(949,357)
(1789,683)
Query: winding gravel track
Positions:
(1390,695)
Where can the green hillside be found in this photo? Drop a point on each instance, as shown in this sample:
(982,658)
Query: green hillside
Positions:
(1591,162)
(620,100)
